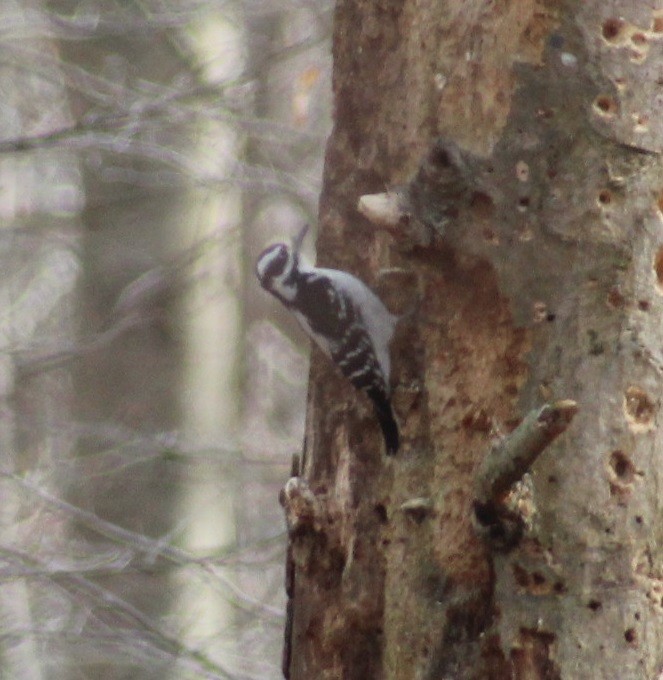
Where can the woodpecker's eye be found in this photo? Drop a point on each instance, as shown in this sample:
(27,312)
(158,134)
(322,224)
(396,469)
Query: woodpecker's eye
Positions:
(272,262)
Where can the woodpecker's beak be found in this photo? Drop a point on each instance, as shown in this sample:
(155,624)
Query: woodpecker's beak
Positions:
(299,239)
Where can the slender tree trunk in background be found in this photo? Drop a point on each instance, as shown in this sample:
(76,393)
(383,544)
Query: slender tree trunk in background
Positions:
(40,232)
(535,256)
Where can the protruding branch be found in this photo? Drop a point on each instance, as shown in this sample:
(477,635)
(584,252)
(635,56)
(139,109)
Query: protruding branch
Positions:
(388,209)
(515,454)
(506,465)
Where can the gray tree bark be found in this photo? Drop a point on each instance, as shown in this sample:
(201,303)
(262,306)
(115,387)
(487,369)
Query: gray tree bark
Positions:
(524,141)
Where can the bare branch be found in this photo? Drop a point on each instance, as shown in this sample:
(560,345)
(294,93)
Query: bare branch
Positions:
(515,454)
(506,464)
(152,548)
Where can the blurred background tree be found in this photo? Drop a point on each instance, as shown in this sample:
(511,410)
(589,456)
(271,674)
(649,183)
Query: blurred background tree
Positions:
(149,150)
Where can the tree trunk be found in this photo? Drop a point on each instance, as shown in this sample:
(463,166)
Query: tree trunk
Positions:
(527,227)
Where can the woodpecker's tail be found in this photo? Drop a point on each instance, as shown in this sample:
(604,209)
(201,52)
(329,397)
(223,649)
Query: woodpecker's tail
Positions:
(385,415)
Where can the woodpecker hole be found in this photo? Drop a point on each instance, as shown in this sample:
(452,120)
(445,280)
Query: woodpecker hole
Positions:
(644,305)
(522,171)
(439,156)
(639,38)
(381,512)
(615,299)
(622,466)
(523,203)
(658,269)
(657,25)
(639,407)
(605,105)
(520,576)
(538,579)
(620,83)
(604,197)
(641,122)
(630,636)
(594,605)
(613,30)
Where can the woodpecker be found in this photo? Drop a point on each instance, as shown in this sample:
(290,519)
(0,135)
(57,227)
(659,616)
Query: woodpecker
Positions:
(343,317)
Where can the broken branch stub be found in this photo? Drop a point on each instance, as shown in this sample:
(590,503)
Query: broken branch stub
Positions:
(506,465)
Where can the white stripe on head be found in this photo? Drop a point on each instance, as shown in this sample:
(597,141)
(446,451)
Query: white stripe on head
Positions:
(274,270)
(268,258)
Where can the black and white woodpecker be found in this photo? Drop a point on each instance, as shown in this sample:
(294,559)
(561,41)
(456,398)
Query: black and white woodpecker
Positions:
(343,317)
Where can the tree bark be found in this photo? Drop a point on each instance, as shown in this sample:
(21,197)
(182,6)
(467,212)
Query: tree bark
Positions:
(522,146)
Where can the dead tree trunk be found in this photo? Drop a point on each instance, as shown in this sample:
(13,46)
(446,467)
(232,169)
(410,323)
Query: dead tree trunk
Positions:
(520,144)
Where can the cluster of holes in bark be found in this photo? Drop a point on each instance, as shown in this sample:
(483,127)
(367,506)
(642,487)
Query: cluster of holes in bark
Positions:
(616,30)
(618,33)
(536,583)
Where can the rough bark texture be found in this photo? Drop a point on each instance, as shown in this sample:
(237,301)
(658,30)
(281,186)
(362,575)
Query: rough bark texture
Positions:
(540,277)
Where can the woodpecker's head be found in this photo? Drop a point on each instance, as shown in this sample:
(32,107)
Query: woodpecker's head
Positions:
(277,268)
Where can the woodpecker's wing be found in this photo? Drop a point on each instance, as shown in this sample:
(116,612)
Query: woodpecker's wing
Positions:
(356,299)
